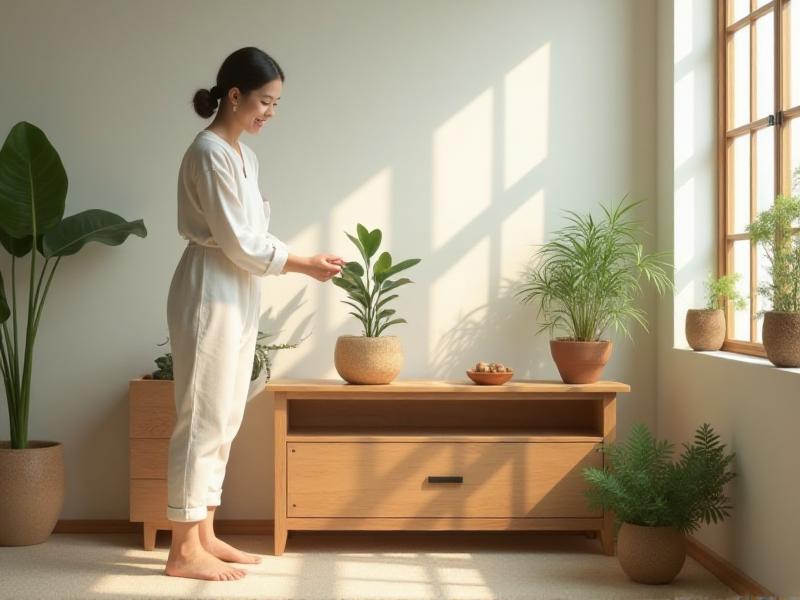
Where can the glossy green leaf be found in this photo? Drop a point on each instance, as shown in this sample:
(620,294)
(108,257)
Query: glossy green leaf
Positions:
(94,225)
(5,312)
(33,182)
(393,270)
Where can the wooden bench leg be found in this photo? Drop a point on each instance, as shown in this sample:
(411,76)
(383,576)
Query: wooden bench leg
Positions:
(150,531)
(280,540)
(607,533)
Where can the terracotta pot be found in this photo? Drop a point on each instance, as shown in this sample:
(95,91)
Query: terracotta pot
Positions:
(368,360)
(705,329)
(580,362)
(32,492)
(651,554)
(781,335)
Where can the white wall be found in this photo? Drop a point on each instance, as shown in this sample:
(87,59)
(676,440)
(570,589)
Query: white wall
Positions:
(460,128)
(753,406)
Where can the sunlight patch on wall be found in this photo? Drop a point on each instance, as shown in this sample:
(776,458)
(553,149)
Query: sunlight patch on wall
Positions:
(684,114)
(520,231)
(683,30)
(527,111)
(463,287)
(462,168)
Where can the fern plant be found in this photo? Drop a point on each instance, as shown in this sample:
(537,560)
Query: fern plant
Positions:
(643,486)
(261,359)
(723,289)
(587,278)
(367,292)
(776,229)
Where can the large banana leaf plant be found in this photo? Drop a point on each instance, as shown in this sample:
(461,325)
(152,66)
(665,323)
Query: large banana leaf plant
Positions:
(33,190)
(368,292)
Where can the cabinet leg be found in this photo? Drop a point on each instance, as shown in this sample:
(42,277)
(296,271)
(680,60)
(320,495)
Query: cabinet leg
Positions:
(150,532)
(280,539)
(607,533)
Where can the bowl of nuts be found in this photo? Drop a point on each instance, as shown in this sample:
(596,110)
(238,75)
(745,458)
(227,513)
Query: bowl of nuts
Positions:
(490,373)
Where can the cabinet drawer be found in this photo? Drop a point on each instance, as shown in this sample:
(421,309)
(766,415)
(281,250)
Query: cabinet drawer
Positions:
(148,499)
(391,479)
(152,408)
(148,458)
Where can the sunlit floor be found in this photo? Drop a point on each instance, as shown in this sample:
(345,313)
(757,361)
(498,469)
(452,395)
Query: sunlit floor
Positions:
(404,566)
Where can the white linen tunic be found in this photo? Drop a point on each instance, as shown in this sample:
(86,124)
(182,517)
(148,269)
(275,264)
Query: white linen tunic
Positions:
(213,309)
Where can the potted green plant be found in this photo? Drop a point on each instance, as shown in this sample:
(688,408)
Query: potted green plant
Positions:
(371,358)
(705,327)
(657,501)
(778,231)
(33,190)
(261,360)
(586,281)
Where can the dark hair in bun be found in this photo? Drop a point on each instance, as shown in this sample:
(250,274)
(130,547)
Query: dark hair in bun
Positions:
(247,69)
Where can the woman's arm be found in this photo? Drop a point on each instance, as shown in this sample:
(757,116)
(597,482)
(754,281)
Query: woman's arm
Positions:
(320,266)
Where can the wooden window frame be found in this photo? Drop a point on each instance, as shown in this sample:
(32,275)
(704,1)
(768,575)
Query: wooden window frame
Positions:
(780,118)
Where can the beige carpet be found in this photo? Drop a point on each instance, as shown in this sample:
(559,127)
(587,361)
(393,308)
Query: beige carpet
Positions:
(403,566)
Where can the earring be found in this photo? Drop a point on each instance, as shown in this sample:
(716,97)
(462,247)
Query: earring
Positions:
(234,107)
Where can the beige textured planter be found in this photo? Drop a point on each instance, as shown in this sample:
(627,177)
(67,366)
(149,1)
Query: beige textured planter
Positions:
(651,554)
(781,335)
(31,492)
(705,329)
(580,362)
(368,360)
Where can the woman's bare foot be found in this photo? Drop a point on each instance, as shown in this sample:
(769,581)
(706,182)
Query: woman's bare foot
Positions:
(226,552)
(200,564)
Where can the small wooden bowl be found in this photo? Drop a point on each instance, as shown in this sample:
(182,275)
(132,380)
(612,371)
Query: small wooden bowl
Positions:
(482,378)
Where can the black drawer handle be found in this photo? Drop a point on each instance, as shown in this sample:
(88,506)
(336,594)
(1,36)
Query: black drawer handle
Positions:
(445,479)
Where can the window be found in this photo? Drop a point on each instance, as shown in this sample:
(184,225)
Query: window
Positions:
(759,140)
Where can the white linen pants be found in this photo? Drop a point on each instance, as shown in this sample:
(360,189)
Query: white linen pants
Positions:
(213,310)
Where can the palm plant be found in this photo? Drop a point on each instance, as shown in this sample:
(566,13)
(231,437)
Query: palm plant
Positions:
(776,230)
(587,278)
(367,292)
(722,289)
(33,190)
(643,486)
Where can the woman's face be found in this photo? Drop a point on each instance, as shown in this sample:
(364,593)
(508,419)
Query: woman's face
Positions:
(257,107)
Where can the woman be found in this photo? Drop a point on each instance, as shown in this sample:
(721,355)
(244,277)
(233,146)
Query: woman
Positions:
(214,301)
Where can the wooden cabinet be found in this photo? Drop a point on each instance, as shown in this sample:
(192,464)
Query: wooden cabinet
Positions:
(434,455)
(152,418)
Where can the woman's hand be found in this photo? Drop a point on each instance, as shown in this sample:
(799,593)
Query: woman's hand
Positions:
(320,266)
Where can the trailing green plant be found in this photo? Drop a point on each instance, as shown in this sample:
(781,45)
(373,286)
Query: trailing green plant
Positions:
(587,278)
(722,289)
(261,359)
(643,486)
(33,190)
(776,229)
(367,290)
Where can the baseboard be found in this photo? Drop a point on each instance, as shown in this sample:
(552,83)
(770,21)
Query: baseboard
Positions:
(726,572)
(224,526)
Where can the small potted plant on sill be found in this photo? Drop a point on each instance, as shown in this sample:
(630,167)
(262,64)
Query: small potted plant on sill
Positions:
(705,327)
(33,191)
(371,358)
(586,281)
(778,231)
(656,501)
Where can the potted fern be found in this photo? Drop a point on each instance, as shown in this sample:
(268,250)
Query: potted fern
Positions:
(33,190)
(656,501)
(371,358)
(777,231)
(586,281)
(705,327)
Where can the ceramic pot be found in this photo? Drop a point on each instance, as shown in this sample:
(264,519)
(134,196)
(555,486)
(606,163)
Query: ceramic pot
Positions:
(31,492)
(781,335)
(580,362)
(652,555)
(705,329)
(368,360)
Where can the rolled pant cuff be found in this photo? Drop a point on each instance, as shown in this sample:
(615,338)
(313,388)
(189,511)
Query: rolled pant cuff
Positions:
(214,498)
(187,515)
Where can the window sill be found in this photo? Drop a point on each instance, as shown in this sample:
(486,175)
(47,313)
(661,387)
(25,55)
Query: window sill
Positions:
(735,357)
